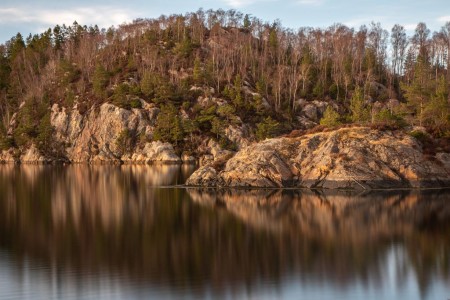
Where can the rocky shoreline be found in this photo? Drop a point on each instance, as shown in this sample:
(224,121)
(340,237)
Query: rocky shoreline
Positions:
(348,158)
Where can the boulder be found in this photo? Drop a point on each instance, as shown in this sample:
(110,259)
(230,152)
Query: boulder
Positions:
(34,156)
(204,176)
(153,152)
(8,156)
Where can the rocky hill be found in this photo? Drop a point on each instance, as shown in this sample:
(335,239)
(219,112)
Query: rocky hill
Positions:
(213,86)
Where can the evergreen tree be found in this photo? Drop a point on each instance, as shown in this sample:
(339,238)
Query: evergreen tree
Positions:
(247,22)
(237,92)
(358,110)
(420,90)
(100,81)
(198,72)
(268,128)
(45,130)
(226,111)
(437,110)
(217,127)
(120,96)
(168,125)
(330,117)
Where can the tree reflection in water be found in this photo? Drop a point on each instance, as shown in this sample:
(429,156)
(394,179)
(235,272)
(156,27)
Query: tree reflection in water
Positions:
(118,219)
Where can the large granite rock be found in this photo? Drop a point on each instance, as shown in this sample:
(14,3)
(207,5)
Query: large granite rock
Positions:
(8,156)
(205,176)
(34,156)
(354,158)
(153,152)
(92,137)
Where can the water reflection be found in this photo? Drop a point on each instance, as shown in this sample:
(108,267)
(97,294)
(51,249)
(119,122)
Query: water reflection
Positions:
(93,226)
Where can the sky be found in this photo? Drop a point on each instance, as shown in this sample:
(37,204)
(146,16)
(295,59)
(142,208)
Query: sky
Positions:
(35,16)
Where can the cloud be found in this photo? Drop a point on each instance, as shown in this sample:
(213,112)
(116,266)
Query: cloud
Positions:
(100,15)
(443,19)
(239,3)
(410,26)
(242,3)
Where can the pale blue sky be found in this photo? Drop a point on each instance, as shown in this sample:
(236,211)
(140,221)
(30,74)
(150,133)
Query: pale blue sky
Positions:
(36,15)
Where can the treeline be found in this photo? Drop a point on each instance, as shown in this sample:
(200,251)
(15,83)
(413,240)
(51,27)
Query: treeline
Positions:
(261,68)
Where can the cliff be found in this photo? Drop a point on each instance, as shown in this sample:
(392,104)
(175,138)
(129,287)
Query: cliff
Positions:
(347,158)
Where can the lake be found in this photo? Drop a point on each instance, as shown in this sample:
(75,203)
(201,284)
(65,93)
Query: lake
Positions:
(132,232)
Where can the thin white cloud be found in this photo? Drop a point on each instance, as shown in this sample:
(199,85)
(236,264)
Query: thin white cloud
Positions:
(243,3)
(410,26)
(239,3)
(444,19)
(102,16)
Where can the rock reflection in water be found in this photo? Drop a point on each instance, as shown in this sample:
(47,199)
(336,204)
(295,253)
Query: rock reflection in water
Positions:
(347,236)
(116,219)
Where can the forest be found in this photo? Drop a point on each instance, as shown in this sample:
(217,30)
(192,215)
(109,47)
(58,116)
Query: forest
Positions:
(260,69)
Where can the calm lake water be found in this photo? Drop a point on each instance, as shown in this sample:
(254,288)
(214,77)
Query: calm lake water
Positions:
(125,232)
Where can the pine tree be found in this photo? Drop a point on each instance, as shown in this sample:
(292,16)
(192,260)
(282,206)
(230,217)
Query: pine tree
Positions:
(330,117)
(437,110)
(358,110)
(247,22)
(168,125)
(100,81)
(419,91)
(45,133)
(268,128)
(217,127)
(197,72)
(237,92)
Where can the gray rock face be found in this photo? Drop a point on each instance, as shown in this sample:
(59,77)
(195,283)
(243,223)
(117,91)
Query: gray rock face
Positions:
(240,135)
(354,158)
(311,112)
(93,137)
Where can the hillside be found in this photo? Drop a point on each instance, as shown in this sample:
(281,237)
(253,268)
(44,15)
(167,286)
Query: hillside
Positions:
(181,86)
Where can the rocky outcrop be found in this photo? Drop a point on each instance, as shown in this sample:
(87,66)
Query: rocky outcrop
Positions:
(8,156)
(33,155)
(348,158)
(153,152)
(93,137)
(206,176)
(310,112)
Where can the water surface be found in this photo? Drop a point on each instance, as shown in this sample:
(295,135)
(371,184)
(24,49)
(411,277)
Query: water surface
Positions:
(124,232)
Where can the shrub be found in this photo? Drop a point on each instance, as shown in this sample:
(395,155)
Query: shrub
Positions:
(330,118)
(135,103)
(168,125)
(125,141)
(100,81)
(268,128)
(385,116)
